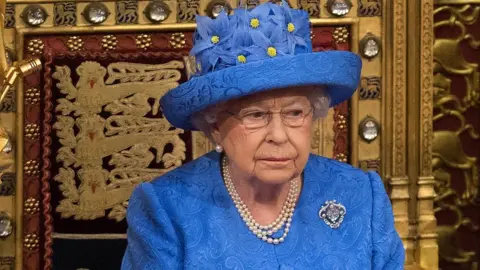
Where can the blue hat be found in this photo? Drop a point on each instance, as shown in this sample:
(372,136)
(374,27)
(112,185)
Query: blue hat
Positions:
(265,48)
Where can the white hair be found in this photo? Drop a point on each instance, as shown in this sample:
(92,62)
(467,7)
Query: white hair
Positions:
(318,97)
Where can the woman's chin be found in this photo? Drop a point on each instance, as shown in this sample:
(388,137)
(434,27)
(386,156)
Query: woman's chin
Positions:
(276,176)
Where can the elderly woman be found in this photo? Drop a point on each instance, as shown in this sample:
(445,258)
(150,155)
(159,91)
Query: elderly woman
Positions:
(261,200)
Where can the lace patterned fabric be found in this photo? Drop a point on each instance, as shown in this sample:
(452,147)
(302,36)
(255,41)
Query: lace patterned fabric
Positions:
(187,220)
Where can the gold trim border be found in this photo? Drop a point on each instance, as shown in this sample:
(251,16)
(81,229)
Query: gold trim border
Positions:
(83,236)
(151,28)
(456,2)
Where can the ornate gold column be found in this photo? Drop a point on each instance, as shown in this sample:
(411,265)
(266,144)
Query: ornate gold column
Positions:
(427,248)
(395,109)
(408,108)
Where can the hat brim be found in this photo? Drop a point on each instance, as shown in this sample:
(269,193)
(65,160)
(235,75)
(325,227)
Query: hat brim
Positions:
(337,71)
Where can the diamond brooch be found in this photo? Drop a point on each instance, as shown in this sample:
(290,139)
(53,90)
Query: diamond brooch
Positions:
(332,213)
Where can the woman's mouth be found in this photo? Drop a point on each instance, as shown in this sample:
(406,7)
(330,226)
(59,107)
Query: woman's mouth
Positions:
(275,159)
(275,162)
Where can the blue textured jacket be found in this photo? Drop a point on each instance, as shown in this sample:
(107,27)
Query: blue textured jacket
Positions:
(186,220)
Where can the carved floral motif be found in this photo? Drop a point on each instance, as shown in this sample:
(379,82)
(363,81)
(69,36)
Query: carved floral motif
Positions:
(455,146)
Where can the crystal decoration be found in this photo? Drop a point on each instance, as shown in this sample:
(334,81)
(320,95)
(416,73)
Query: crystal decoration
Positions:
(216,6)
(339,7)
(6,226)
(96,13)
(370,46)
(9,56)
(8,147)
(34,15)
(369,129)
(157,11)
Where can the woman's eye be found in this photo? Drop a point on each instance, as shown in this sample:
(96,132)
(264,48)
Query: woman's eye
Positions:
(294,113)
(255,115)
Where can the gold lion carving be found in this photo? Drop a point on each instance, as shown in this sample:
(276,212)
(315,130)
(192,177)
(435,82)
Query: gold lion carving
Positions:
(124,139)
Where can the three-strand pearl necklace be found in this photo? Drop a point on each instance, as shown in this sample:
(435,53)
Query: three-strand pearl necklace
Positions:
(263,232)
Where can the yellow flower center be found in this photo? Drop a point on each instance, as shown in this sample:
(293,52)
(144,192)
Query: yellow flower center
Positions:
(290,27)
(215,39)
(242,59)
(271,51)
(254,23)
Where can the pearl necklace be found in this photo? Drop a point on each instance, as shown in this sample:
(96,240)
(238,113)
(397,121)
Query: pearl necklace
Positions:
(263,232)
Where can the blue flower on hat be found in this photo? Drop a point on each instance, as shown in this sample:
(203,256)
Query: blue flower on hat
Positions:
(237,52)
(266,47)
(297,27)
(211,34)
(255,19)
(269,30)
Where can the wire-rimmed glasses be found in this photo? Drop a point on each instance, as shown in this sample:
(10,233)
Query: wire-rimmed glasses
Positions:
(260,118)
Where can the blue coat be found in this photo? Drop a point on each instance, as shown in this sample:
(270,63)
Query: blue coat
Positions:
(186,219)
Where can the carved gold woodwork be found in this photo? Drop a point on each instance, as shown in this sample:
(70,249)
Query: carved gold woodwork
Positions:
(452,166)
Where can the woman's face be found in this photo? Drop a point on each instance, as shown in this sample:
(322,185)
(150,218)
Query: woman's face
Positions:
(266,136)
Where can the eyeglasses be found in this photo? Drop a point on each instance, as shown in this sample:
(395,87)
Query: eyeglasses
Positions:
(259,118)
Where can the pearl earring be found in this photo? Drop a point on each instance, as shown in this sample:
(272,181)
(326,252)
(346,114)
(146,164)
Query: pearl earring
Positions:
(218,148)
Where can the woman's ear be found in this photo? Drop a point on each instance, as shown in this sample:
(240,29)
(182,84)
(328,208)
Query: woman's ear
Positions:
(215,133)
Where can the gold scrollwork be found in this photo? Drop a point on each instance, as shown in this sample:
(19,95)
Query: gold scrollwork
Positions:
(448,152)
(399,90)
(65,13)
(447,53)
(125,138)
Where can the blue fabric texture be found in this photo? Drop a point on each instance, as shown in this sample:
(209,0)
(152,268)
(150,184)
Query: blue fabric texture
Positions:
(186,220)
(268,47)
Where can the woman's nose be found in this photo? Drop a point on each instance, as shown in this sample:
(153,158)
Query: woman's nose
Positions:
(276,130)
